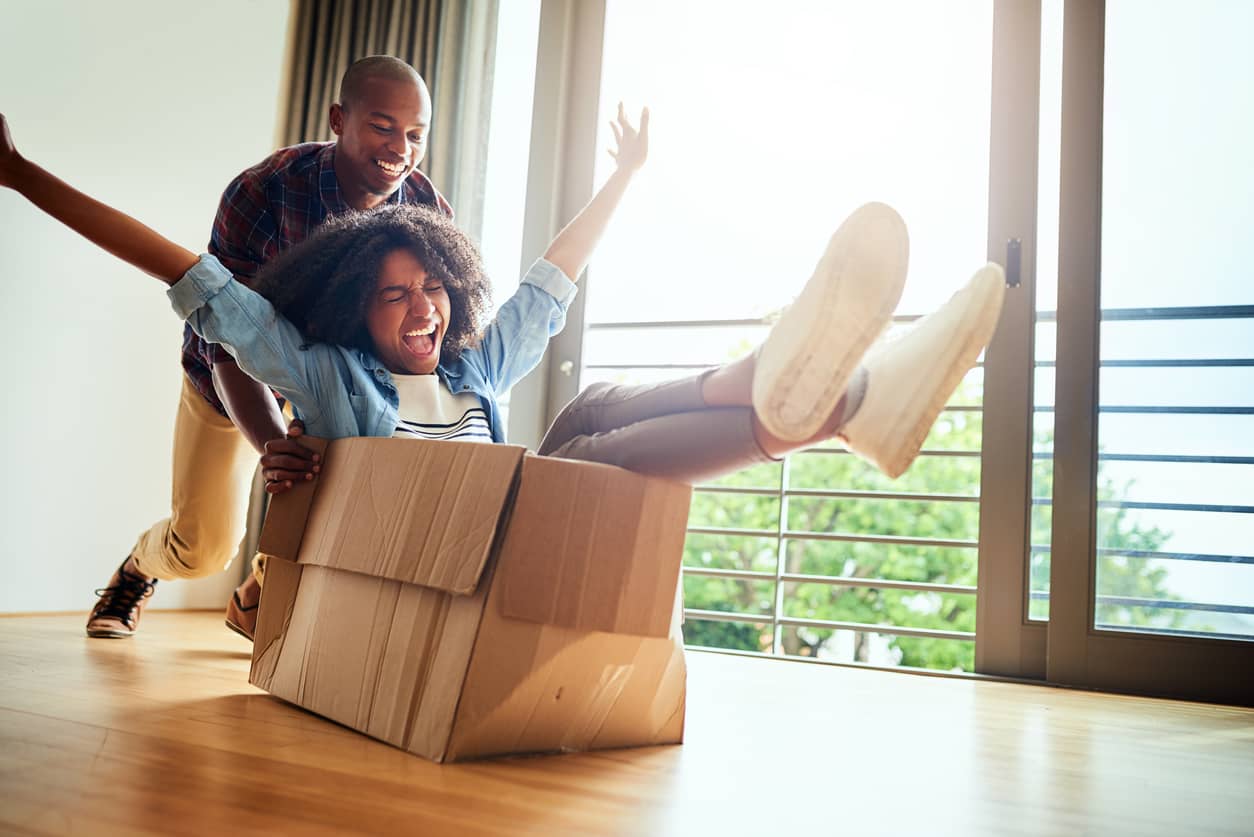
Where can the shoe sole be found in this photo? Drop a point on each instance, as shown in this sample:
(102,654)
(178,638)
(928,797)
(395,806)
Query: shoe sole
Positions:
(102,633)
(237,629)
(805,364)
(915,433)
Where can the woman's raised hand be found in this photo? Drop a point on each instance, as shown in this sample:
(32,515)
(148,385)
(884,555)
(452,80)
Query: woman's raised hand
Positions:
(631,145)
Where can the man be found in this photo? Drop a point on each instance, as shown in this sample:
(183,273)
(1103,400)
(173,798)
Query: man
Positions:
(225,418)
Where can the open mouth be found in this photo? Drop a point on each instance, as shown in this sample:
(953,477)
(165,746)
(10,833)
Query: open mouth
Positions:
(391,169)
(421,342)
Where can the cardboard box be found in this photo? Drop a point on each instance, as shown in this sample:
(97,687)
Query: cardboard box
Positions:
(464,600)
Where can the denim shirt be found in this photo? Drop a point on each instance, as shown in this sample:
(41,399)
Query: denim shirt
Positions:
(340,391)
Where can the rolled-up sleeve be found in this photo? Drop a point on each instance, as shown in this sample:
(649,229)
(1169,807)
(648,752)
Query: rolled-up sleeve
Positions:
(549,278)
(263,343)
(515,341)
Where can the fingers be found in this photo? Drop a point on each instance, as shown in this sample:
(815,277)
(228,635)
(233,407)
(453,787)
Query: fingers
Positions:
(289,447)
(278,487)
(291,463)
(287,462)
(279,479)
(621,125)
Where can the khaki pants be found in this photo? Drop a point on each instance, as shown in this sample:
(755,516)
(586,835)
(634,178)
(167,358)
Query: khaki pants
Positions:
(213,467)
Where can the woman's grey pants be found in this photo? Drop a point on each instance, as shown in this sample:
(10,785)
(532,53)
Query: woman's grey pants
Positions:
(660,430)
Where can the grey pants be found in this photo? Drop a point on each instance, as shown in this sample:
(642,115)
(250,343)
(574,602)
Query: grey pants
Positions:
(660,430)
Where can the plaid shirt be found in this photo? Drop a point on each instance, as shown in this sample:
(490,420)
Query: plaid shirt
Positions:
(268,208)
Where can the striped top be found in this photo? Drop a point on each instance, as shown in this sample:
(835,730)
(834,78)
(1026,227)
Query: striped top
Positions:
(428,410)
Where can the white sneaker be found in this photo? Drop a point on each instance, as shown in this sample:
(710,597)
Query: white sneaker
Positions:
(910,378)
(805,364)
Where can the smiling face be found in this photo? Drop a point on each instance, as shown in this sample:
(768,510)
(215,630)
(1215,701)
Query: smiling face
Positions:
(381,137)
(407,315)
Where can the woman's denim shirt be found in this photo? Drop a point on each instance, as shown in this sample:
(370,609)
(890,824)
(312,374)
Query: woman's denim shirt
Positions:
(339,391)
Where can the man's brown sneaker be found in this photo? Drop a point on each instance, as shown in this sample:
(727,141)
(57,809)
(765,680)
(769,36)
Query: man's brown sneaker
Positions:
(241,611)
(116,614)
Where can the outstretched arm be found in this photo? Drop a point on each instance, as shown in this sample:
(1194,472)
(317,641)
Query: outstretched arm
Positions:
(114,231)
(573,246)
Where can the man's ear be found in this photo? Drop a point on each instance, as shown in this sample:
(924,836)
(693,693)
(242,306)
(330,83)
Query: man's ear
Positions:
(336,117)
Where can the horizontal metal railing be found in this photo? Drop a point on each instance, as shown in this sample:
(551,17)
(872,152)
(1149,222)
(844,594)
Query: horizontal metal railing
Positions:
(1037,549)
(837,493)
(1160,604)
(850,537)
(1181,312)
(1164,363)
(825,624)
(831,580)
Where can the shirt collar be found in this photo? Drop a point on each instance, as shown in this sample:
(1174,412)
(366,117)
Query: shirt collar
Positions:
(378,370)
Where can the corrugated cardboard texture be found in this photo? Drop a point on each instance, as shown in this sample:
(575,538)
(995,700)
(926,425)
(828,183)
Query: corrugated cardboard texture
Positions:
(422,513)
(593,547)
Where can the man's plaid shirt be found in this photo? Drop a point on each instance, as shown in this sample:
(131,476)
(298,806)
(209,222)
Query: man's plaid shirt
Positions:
(268,208)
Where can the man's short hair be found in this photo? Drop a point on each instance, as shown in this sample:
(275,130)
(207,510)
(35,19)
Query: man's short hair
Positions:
(374,66)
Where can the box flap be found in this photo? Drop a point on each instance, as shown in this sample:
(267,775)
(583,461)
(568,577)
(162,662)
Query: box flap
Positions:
(594,548)
(419,512)
(273,616)
(286,513)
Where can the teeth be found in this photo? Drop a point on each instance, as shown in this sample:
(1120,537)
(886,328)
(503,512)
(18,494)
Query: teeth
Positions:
(421,331)
(390,168)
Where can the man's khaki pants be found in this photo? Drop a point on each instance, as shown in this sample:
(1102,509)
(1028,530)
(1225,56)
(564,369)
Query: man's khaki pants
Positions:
(213,467)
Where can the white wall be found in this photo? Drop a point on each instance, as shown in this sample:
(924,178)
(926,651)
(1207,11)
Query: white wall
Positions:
(153,107)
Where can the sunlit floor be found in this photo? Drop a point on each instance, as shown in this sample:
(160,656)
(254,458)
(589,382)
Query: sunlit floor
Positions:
(162,734)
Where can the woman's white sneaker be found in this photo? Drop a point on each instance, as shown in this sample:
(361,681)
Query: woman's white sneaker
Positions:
(804,366)
(910,378)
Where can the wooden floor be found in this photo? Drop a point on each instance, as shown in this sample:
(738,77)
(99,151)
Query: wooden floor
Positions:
(162,734)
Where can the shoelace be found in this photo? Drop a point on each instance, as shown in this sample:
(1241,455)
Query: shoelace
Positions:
(118,601)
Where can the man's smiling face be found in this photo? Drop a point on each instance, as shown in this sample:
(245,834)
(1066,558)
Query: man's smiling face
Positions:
(381,137)
(407,315)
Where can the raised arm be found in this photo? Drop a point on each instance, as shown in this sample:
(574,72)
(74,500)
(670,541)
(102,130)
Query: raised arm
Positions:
(112,230)
(573,246)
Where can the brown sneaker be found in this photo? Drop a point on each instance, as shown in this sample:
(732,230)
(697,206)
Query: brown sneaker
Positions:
(116,614)
(241,611)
